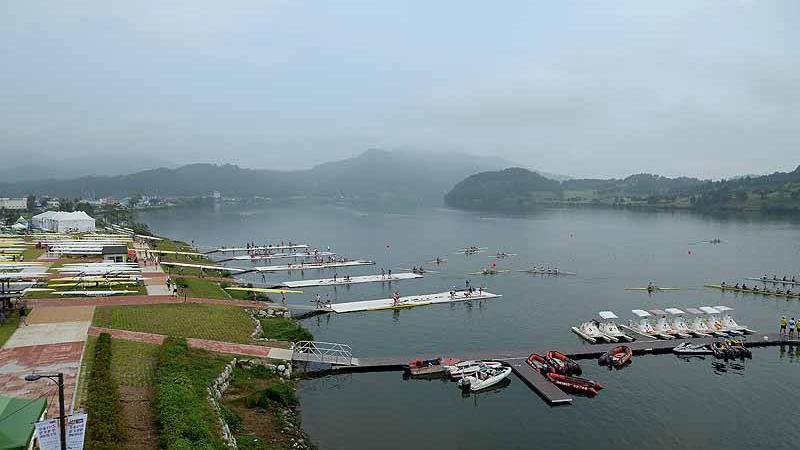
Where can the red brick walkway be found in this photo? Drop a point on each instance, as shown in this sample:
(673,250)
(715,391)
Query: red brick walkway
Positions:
(213,346)
(17,362)
(145,300)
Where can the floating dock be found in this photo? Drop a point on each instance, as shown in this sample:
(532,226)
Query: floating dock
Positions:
(311,266)
(409,302)
(548,391)
(352,280)
(202,266)
(277,256)
(258,249)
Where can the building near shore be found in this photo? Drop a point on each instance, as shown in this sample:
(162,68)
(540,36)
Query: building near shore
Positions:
(64,222)
(13,203)
(115,253)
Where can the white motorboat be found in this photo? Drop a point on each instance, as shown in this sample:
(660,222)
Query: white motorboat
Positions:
(590,331)
(687,348)
(644,327)
(699,325)
(462,369)
(680,325)
(485,377)
(609,327)
(715,321)
(663,325)
(728,321)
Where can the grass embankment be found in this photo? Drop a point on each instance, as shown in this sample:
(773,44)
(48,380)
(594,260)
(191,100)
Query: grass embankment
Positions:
(259,409)
(198,287)
(106,427)
(133,366)
(284,329)
(214,322)
(185,417)
(31,253)
(9,327)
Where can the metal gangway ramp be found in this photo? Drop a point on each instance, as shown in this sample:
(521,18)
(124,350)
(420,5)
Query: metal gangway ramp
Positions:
(324,352)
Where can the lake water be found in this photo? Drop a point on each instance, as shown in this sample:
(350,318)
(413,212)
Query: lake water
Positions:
(657,402)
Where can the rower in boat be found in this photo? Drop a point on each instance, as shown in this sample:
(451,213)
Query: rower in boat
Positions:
(736,286)
(650,287)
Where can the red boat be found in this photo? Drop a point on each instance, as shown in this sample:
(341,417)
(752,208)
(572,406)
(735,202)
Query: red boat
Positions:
(617,357)
(575,384)
(429,366)
(562,364)
(539,363)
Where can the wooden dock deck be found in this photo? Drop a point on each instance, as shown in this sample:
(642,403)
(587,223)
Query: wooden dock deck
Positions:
(538,383)
(410,301)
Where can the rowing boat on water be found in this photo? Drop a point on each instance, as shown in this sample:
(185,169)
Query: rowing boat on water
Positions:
(489,272)
(652,289)
(768,280)
(546,272)
(750,291)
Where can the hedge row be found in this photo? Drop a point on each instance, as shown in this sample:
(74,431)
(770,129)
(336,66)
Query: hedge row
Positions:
(185,416)
(106,427)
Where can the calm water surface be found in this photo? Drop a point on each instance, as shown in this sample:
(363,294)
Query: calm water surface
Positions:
(657,402)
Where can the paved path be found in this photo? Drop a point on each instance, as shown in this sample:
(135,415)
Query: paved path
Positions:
(17,362)
(147,300)
(259,351)
(48,333)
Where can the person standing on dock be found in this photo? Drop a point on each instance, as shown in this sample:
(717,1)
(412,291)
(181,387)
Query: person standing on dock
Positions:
(782,330)
(335,275)
(792,324)
(383,273)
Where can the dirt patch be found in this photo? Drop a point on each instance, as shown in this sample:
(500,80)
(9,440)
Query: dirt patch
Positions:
(139,421)
(274,427)
(55,314)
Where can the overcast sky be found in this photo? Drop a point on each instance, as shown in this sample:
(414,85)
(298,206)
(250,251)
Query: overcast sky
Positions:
(700,88)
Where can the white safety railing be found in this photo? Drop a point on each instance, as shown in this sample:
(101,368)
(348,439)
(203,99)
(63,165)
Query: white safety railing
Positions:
(323,352)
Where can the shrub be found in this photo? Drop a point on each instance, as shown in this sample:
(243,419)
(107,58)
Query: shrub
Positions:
(279,392)
(284,329)
(185,417)
(106,427)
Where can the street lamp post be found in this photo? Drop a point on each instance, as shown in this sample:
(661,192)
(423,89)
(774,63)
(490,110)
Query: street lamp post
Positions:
(58,379)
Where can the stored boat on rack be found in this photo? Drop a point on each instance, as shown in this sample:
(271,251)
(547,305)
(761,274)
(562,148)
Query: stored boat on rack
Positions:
(485,378)
(617,357)
(574,384)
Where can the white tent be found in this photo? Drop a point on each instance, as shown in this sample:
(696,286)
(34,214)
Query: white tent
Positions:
(64,222)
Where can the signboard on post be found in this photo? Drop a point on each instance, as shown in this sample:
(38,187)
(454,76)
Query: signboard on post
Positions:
(76,430)
(49,435)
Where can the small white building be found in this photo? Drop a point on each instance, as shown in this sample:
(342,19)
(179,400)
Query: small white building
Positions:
(64,222)
(13,203)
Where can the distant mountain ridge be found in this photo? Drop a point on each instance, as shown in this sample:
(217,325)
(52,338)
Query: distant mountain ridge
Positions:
(374,176)
(517,189)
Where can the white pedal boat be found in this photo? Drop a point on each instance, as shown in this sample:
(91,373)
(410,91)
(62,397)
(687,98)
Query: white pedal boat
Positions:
(664,326)
(728,321)
(590,332)
(609,327)
(679,323)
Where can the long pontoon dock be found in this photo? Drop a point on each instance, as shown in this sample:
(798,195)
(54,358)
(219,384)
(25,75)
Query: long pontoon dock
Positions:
(311,266)
(258,249)
(409,301)
(351,280)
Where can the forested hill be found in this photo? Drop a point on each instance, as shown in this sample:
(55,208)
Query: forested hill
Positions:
(518,189)
(373,176)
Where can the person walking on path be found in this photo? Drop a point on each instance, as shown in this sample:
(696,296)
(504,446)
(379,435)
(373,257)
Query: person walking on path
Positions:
(783,326)
(23,321)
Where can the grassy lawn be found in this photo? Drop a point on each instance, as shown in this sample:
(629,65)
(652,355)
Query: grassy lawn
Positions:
(259,407)
(31,253)
(284,329)
(133,364)
(214,322)
(202,288)
(8,328)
